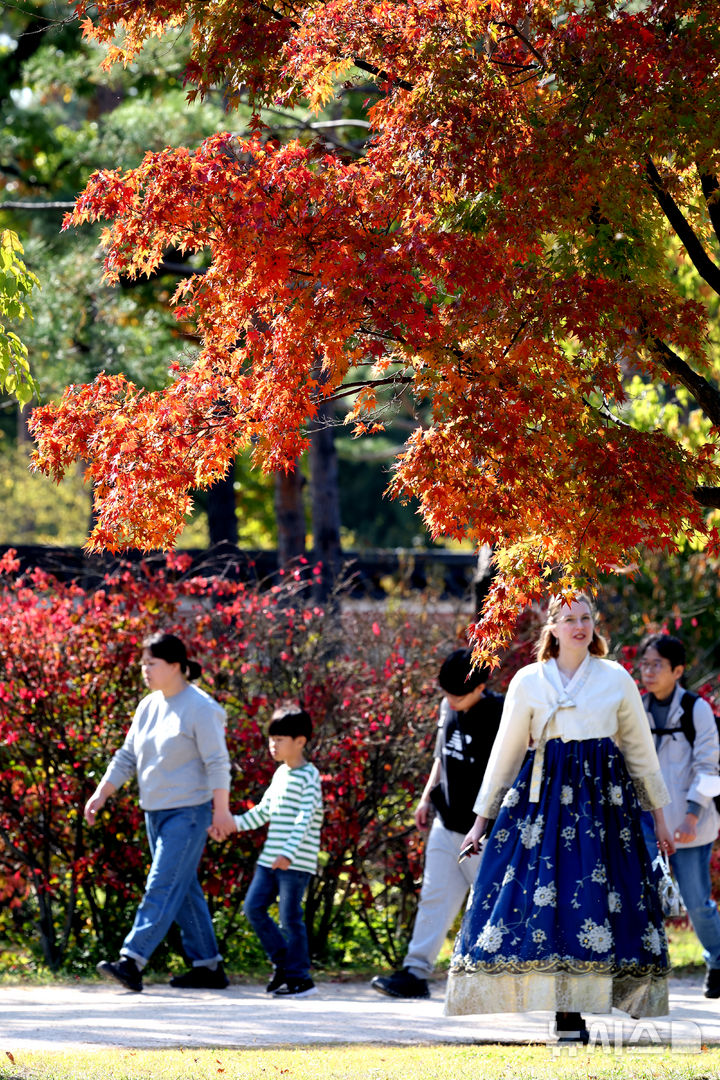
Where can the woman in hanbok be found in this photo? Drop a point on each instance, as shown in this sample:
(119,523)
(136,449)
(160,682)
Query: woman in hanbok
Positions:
(564,913)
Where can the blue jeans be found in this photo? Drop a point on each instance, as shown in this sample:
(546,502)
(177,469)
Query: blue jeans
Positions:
(691,867)
(286,945)
(172,891)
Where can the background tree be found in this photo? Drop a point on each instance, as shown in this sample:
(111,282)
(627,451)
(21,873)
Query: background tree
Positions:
(61,116)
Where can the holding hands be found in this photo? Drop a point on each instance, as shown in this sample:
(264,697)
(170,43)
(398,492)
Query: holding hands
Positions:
(223,825)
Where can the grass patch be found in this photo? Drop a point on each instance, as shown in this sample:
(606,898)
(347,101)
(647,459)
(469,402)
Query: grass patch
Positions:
(686,954)
(21,968)
(448,1062)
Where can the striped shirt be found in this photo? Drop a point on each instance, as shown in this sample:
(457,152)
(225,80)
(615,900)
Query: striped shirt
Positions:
(293,806)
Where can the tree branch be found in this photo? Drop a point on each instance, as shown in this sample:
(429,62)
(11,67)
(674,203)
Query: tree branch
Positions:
(362,64)
(706,395)
(708,496)
(348,389)
(711,191)
(27,205)
(701,260)
(526,42)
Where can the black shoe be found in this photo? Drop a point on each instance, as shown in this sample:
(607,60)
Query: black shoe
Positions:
(202,977)
(402,984)
(570,1028)
(297,988)
(279,979)
(711,986)
(124,971)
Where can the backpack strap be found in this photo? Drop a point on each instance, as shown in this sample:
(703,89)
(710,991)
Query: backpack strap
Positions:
(687,724)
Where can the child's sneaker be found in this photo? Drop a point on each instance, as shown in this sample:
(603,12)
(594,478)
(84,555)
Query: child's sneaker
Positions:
(297,988)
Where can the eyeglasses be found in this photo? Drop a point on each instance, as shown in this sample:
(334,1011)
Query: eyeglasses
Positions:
(653,665)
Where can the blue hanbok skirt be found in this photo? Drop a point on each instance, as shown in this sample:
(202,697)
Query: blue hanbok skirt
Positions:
(564,914)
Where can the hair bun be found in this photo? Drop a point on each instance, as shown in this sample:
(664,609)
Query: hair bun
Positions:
(193,670)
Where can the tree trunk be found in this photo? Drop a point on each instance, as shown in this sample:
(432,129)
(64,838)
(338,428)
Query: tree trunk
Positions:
(23,415)
(325,500)
(290,515)
(222,518)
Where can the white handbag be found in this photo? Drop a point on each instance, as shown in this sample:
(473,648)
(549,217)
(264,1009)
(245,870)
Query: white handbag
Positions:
(670,899)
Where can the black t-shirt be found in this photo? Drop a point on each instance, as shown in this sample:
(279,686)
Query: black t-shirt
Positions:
(463,745)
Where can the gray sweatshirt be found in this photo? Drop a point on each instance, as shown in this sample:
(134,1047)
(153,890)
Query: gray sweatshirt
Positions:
(176,746)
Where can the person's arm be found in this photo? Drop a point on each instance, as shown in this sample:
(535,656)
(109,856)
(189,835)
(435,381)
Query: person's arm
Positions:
(209,732)
(664,838)
(638,746)
(704,761)
(223,823)
(256,815)
(122,766)
(97,800)
(422,810)
(686,831)
(509,748)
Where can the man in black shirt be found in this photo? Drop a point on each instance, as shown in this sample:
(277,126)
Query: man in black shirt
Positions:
(468,723)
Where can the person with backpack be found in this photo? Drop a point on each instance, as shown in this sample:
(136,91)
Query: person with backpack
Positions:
(468,723)
(686,739)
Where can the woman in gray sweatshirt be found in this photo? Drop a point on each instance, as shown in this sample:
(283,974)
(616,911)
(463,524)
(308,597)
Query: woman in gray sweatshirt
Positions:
(176,748)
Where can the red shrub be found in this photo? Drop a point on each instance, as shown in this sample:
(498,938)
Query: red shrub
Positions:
(69,683)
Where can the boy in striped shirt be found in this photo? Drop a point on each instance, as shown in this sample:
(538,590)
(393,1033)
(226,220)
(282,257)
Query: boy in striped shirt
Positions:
(292,805)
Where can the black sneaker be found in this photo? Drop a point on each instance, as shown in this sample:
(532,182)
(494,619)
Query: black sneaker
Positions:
(297,988)
(570,1028)
(202,977)
(279,979)
(711,986)
(124,971)
(401,984)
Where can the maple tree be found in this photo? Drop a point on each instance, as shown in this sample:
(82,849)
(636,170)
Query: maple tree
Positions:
(506,251)
(60,118)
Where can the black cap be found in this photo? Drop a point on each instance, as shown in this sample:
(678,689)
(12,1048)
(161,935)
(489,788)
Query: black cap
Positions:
(457,675)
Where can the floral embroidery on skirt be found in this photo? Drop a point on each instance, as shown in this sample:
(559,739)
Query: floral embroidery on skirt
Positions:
(564,913)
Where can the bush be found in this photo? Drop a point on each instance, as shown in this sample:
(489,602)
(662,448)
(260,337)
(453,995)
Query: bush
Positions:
(69,683)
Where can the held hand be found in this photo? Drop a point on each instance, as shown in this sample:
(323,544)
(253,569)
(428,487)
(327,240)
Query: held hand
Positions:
(686,832)
(281,863)
(223,824)
(422,813)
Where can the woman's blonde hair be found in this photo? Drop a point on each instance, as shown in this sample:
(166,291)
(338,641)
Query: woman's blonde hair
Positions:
(547,643)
